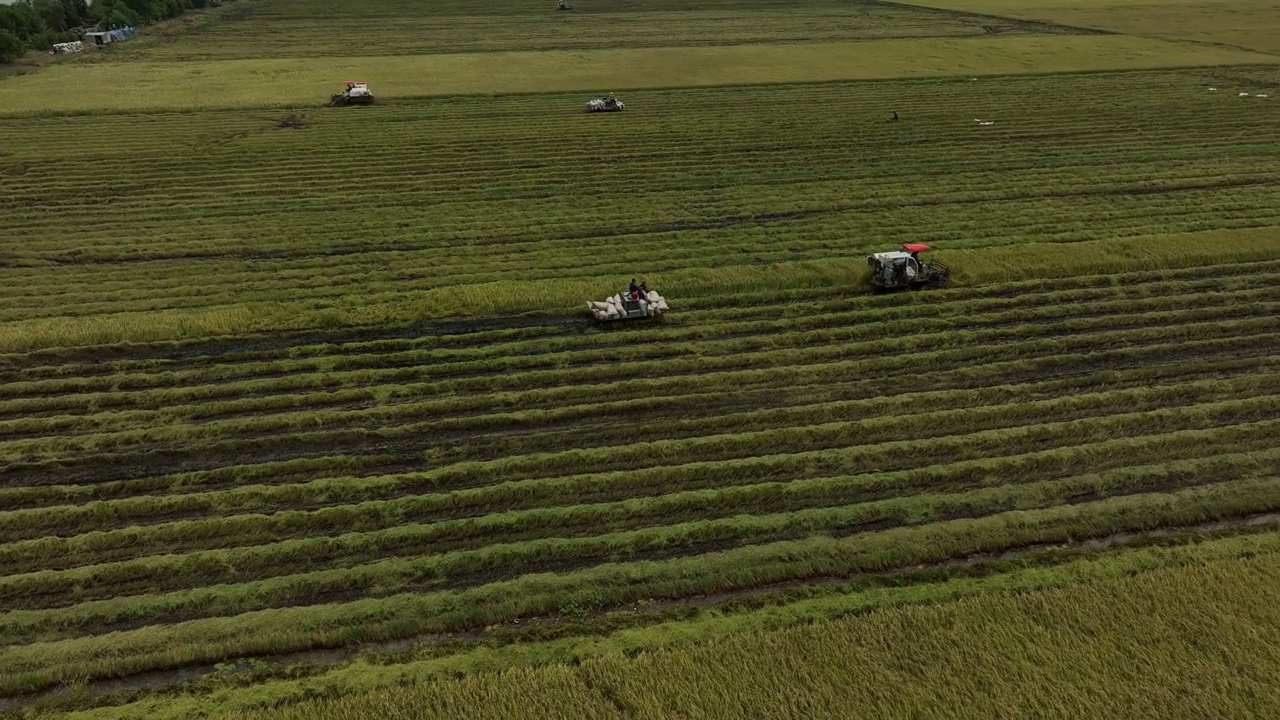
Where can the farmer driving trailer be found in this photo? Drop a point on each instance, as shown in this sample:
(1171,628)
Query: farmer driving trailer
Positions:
(356,93)
(637,302)
(905,268)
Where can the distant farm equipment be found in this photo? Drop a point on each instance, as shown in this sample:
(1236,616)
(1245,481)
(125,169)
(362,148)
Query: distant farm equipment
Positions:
(608,103)
(905,269)
(632,305)
(107,37)
(356,93)
(562,5)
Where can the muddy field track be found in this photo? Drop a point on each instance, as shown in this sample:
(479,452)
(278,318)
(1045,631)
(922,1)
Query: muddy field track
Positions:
(213,450)
(871,430)
(450,407)
(1044,381)
(955,507)
(403,446)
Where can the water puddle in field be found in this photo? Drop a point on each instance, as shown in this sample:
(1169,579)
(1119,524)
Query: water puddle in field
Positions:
(170,679)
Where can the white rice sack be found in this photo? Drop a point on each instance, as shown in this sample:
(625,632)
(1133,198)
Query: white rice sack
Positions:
(662,305)
(600,314)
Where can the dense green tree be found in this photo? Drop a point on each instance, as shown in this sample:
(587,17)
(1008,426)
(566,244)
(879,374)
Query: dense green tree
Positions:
(22,20)
(37,24)
(11,47)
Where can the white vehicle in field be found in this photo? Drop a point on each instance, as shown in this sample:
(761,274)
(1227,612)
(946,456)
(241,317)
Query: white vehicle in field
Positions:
(638,302)
(608,103)
(357,93)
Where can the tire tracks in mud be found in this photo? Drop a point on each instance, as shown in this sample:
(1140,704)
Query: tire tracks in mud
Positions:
(620,428)
(256,446)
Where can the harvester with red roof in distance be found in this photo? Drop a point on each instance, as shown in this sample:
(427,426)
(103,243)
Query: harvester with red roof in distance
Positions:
(356,93)
(905,269)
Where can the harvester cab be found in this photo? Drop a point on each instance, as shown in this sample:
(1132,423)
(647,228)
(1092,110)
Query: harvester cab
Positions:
(356,93)
(905,268)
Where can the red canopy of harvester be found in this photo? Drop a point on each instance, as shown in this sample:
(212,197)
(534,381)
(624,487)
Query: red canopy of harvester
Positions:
(915,247)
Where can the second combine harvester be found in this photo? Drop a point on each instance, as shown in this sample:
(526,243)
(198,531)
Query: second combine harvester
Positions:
(356,93)
(905,269)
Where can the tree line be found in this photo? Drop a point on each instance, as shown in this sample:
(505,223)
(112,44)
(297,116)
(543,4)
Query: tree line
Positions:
(38,24)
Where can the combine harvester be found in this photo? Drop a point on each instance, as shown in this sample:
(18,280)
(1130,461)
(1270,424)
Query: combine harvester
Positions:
(357,93)
(608,103)
(629,306)
(904,268)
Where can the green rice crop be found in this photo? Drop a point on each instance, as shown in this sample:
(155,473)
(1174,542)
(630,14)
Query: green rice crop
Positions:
(301,412)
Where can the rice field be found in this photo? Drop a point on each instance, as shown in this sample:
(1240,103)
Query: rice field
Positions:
(275,497)
(435,203)
(281,30)
(302,414)
(278,83)
(1118,644)
(1251,24)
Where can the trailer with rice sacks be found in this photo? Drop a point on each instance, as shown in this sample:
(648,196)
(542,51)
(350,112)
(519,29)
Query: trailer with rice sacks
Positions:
(636,305)
(608,103)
